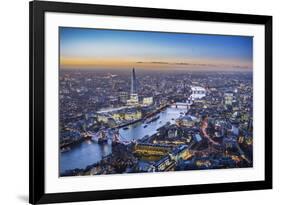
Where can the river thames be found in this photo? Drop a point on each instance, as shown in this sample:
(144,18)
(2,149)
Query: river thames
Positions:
(89,152)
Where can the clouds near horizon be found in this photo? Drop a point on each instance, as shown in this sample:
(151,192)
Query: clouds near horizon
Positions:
(99,48)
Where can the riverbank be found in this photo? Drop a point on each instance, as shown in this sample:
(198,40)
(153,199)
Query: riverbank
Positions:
(119,161)
(87,153)
(144,118)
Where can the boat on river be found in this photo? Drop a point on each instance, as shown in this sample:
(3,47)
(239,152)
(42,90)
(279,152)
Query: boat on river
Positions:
(152,119)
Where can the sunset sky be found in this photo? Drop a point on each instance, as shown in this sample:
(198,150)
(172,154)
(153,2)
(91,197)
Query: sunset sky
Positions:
(96,48)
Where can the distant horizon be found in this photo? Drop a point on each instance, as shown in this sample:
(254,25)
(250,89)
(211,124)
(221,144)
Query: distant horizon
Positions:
(155,69)
(118,49)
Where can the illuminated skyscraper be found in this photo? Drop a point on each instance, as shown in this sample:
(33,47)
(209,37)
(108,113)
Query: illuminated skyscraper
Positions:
(134,99)
(133,82)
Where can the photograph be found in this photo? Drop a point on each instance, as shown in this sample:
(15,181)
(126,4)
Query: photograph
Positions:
(133,101)
(139,101)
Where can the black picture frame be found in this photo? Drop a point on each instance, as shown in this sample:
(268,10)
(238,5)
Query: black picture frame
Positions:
(37,11)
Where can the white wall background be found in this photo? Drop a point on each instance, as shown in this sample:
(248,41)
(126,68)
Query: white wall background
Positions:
(14,44)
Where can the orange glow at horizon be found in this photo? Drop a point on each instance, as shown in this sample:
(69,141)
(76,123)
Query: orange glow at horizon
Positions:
(79,62)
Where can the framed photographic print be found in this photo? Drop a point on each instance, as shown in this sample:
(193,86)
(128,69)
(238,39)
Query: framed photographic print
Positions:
(140,102)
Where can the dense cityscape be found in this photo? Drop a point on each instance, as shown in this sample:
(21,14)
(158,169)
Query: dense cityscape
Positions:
(115,121)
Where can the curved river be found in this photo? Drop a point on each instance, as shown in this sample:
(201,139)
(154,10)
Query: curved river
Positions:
(89,152)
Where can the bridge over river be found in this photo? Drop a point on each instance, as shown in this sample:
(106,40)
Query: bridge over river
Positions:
(89,152)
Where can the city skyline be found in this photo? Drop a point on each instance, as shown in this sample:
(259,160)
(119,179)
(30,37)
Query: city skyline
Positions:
(176,122)
(134,102)
(83,48)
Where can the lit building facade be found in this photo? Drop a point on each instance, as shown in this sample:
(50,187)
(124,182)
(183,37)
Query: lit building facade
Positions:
(147,101)
(132,115)
(197,92)
(228,98)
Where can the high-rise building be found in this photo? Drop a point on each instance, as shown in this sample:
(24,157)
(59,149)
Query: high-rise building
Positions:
(133,82)
(134,99)
(123,97)
(228,98)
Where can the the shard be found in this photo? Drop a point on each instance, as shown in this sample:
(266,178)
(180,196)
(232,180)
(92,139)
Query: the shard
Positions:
(134,99)
(133,82)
